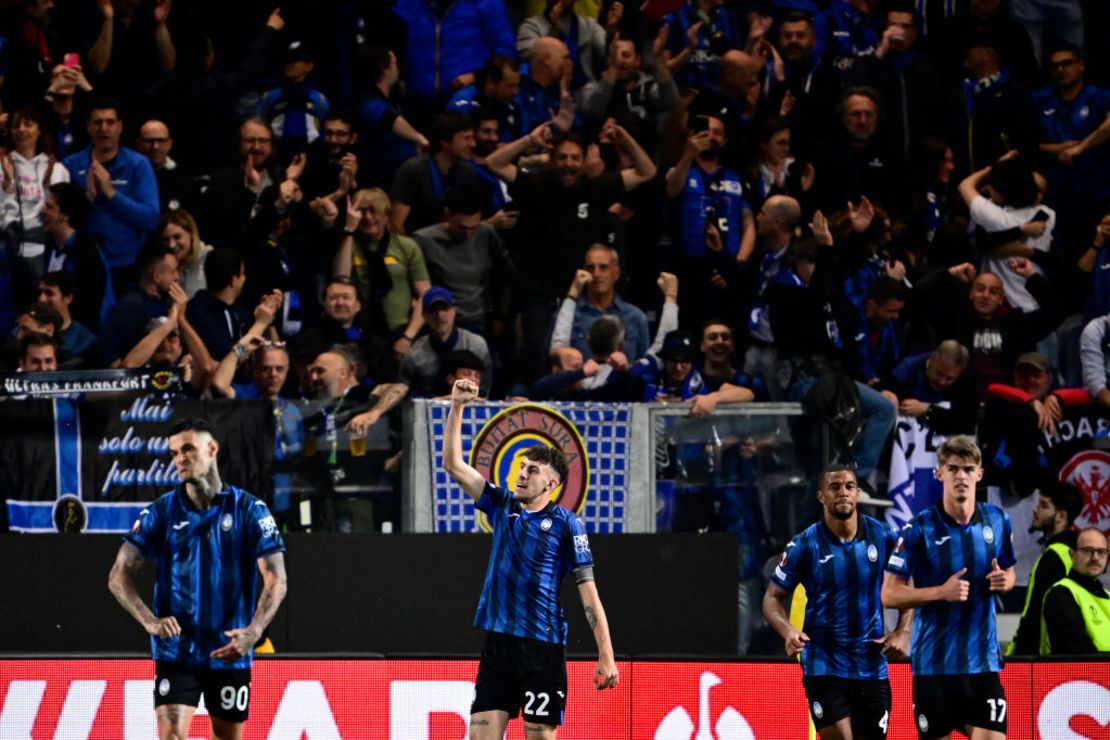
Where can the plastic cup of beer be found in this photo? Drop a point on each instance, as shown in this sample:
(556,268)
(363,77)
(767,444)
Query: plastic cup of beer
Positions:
(358,444)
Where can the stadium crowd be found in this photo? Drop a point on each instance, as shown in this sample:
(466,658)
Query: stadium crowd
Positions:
(699,201)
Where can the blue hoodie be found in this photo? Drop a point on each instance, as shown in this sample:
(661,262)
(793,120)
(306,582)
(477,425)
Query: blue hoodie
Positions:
(124,221)
(458,43)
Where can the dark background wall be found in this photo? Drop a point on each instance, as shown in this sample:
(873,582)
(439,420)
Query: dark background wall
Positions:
(393,594)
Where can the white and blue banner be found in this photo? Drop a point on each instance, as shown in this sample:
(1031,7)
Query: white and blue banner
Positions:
(91,466)
(913,460)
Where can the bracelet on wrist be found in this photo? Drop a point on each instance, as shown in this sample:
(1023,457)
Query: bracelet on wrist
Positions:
(407,337)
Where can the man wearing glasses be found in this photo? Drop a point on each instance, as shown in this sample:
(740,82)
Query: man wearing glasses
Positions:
(233,193)
(1074,122)
(1076,615)
(175,188)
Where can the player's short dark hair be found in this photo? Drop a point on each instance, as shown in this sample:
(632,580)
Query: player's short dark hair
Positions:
(220,267)
(464,201)
(192,424)
(73,203)
(549,456)
(886,289)
(494,69)
(463,358)
(445,125)
(834,468)
(65,282)
(605,335)
(37,339)
(1065,497)
(964,447)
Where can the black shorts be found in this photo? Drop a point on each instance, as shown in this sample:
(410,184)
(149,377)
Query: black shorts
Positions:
(227,693)
(945,703)
(867,702)
(522,676)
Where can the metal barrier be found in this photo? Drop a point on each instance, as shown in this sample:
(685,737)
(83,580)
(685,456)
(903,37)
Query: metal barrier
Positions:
(635,462)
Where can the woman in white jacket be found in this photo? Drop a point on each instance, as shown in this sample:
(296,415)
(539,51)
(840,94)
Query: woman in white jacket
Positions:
(25,176)
(178,231)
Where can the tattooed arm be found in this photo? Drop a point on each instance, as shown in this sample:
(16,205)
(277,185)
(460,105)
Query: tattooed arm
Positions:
(121,582)
(606,676)
(242,640)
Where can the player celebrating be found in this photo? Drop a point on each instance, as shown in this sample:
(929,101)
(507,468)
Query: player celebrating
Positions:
(840,562)
(959,555)
(210,541)
(523,666)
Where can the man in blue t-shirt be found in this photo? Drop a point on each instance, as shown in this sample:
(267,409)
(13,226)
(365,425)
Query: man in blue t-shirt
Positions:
(210,541)
(843,642)
(535,542)
(959,554)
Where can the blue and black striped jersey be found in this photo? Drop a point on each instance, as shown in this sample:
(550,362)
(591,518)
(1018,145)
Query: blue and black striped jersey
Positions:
(532,551)
(958,637)
(207,572)
(843,581)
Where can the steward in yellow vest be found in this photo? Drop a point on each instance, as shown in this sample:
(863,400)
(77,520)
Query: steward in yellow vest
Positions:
(1076,613)
(1057,507)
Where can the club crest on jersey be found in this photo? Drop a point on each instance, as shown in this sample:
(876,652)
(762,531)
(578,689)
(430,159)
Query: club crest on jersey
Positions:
(545,525)
(498,452)
(225,523)
(988,534)
(872,553)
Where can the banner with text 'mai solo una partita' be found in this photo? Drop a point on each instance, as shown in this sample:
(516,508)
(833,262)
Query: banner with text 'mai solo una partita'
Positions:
(91,465)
